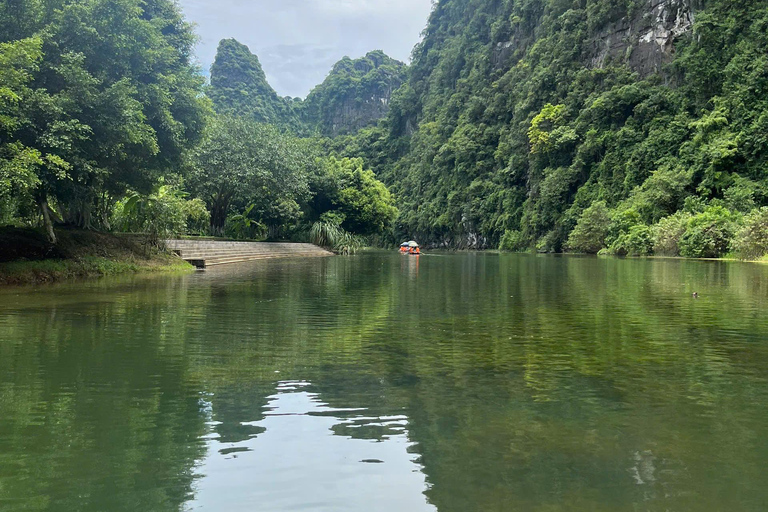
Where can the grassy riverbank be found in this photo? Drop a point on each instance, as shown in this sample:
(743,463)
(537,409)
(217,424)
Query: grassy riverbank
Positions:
(26,257)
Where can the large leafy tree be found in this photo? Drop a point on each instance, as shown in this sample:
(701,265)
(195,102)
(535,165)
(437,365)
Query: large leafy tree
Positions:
(114,100)
(241,163)
(18,163)
(344,187)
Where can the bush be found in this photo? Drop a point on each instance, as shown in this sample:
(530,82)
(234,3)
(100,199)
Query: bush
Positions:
(638,241)
(751,241)
(591,230)
(162,214)
(327,233)
(547,243)
(708,234)
(512,241)
(198,216)
(241,227)
(668,232)
(740,196)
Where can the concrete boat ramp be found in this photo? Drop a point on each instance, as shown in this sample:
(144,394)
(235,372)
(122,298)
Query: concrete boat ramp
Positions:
(207,253)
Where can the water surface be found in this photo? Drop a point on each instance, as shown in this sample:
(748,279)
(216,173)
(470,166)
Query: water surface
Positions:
(462,382)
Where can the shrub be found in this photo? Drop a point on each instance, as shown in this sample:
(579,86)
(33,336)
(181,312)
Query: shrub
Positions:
(241,227)
(638,241)
(512,241)
(161,214)
(751,240)
(591,230)
(326,233)
(668,232)
(708,234)
(547,243)
(198,216)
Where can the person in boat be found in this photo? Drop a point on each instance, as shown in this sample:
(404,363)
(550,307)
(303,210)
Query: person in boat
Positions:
(404,247)
(415,250)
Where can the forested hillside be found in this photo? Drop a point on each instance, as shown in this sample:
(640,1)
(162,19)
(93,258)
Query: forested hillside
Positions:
(355,94)
(239,87)
(633,126)
(621,126)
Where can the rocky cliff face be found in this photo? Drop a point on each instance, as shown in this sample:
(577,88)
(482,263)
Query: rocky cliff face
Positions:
(239,87)
(646,39)
(355,94)
(643,39)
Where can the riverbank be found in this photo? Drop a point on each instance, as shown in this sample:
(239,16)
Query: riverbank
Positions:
(26,256)
(730,257)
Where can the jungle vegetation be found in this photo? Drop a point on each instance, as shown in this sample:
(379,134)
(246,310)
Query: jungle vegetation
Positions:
(516,126)
(510,132)
(106,124)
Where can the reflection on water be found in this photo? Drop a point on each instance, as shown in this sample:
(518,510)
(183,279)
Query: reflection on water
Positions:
(310,456)
(467,382)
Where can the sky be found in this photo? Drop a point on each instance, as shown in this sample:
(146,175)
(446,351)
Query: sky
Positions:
(299,41)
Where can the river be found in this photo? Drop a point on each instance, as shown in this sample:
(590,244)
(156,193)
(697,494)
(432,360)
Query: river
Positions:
(379,382)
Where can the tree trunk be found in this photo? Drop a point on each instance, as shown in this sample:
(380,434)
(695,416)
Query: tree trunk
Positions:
(219,209)
(42,202)
(218,219)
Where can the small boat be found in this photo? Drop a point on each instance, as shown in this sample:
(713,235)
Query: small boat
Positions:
(410,248)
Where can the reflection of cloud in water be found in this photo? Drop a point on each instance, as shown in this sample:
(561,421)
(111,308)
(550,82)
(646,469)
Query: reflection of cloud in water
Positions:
(313,457)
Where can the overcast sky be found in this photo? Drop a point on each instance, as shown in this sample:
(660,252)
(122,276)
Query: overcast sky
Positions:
(298,41)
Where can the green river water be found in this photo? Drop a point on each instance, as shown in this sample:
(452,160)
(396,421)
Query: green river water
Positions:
(380,382)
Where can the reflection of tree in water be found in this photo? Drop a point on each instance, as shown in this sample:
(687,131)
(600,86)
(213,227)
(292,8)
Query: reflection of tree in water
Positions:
(531,384)
(528,383)
(98,412)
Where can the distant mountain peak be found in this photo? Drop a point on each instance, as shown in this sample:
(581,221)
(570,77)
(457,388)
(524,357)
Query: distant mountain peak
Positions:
(355,93)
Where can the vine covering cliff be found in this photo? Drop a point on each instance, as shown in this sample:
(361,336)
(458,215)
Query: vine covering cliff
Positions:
(519,115)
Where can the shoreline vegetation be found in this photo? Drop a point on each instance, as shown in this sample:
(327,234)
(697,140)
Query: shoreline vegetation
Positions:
(26,257)
(504,131)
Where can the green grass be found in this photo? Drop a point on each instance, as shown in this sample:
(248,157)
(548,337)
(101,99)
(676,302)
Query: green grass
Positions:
(46,271)
(79,254)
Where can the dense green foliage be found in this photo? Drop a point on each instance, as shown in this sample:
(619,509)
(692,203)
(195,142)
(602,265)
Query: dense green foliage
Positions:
(355,94)
(511,121)
(520,124)
(162,214)
(752,239)
(242,163)
(591,230)
(98,96)
(357,200)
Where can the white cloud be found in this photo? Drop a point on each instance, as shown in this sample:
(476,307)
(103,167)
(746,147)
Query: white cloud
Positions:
(299,40)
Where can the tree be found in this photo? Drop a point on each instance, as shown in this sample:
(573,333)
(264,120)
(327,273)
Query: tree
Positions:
(113,102)
(709,233)
(365,204)
(18,163)
(751,240)
(241,162)
(164,213)
(591,230)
